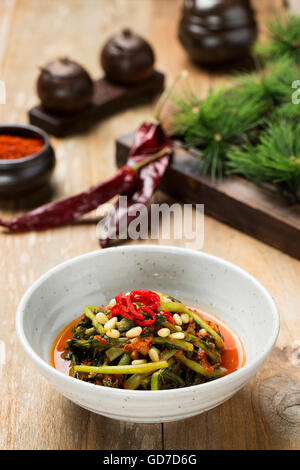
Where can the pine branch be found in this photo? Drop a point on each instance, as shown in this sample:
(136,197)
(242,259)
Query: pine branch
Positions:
(284,41)
(256,116)
(213,125)
(271,87)
(275,159)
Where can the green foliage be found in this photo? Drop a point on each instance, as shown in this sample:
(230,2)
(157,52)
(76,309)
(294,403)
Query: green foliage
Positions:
(284,41)
(270,87)
(275,159)
(215,124)
(288,112)
(252,128)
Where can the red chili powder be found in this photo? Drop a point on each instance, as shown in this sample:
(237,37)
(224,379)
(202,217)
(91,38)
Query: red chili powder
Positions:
(13,147)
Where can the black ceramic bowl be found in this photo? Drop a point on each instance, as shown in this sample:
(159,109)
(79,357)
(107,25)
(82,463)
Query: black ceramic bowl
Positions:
(24,175)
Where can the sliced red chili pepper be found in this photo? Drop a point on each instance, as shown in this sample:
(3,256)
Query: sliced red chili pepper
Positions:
(144,293)
(133,309)
(121,308)
(168,316)
(119,298)
(149,298)
(146,322)
(126,308)
(114,312)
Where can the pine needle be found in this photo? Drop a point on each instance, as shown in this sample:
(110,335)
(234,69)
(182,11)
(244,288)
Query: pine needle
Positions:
(284,41)
(272,86)
(275,159)
(213,125)
(288,112)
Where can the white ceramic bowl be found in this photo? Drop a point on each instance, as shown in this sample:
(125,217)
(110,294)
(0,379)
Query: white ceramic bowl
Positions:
(202,280)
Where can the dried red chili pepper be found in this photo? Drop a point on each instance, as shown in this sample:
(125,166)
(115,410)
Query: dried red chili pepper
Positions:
(70,209)
(148,139)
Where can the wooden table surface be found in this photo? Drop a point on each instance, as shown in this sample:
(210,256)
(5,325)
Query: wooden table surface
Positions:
(266,413)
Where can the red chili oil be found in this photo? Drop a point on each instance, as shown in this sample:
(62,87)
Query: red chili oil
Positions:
(233,354)
(14,147)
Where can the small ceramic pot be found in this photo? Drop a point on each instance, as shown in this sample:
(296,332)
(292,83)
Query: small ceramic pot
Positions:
(127,59)
(64,87)
(24,175)
(216,32)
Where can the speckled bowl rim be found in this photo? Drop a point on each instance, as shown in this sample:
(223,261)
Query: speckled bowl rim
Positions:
(20,161)
(245,371)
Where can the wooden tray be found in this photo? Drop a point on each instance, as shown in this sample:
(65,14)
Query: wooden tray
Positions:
(108,98)
(260,212)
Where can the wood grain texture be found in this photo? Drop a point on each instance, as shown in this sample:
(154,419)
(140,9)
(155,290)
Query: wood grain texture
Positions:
(265,414)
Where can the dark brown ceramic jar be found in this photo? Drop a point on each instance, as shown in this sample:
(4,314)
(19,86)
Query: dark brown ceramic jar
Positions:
(25,175)
(64,86)
(214,32)
(127,59)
